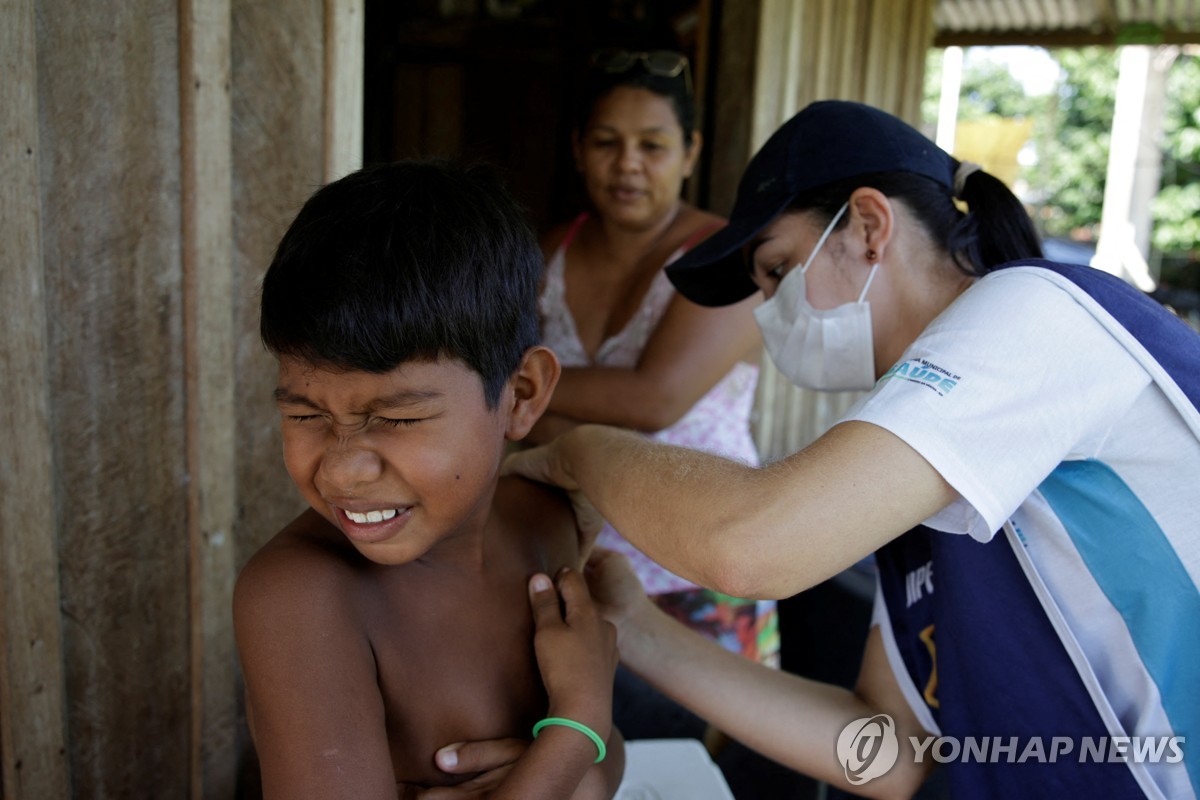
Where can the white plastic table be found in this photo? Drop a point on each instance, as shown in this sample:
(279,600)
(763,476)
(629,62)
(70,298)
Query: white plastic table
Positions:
(671,769)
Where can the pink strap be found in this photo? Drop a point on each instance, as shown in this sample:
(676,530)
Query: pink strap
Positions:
(700,235)
(571,231)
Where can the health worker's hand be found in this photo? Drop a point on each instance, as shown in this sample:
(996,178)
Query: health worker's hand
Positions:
(546,464)
(616,589)
(576,650)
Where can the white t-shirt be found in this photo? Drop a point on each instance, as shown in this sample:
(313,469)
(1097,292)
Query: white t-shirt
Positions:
(1022,392)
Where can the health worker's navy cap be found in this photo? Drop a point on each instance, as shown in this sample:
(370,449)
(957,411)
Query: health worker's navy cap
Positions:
(828,141)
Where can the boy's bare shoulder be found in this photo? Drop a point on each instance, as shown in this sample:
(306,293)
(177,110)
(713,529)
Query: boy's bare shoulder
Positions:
(306,564)
(535,504)
(541,514)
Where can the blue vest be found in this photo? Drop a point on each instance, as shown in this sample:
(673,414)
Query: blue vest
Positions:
(982,649)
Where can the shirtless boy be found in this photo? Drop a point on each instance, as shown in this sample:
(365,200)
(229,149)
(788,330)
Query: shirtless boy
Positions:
(392,617)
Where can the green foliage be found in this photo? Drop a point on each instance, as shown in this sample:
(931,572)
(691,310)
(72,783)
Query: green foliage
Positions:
(932,89)
(1071,138)
(988,89)
(1177,206)
(1177,219)
(1073,143)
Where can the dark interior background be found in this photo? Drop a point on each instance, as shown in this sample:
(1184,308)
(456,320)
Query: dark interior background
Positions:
(497,80)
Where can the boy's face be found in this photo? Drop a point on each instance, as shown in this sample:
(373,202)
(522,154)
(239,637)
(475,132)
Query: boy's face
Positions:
(398,461)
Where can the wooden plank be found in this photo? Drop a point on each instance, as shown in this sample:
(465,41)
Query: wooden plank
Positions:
(845,52)
(207,253)
(780,57)
(869,65)
(344,20)
(796,25)
(734,103)
(704,48)
(896,33)
(694,188)
(824,67)
(872,51)
(33,761)
(916,57)
(278,118)
(278,134)
(915,54)
(109,180)
(443,109)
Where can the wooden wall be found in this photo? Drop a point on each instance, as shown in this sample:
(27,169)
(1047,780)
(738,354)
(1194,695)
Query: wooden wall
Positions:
(152,153)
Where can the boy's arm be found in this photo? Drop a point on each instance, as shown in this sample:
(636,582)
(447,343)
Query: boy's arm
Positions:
(317,716)
(494,759)
(576,652)
(577,656)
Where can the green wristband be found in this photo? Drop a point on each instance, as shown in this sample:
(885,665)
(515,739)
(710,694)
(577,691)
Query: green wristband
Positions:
(579,726)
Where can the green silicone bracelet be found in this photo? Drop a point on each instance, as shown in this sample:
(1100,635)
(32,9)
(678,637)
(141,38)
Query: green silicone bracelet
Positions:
(579,726)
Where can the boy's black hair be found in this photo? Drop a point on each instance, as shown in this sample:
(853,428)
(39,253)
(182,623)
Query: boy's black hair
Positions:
(407,261)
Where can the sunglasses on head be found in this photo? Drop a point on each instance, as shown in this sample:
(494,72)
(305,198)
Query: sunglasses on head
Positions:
(663,63)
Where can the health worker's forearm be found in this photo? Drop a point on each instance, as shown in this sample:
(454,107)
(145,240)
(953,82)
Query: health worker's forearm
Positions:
(765,532)
(790,719)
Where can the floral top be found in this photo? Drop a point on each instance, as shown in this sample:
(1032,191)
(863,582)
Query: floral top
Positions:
(718,423)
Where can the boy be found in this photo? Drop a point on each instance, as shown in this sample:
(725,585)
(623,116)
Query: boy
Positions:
(390,618)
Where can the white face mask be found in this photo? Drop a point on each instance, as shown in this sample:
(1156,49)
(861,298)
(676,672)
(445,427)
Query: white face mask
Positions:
(824,350)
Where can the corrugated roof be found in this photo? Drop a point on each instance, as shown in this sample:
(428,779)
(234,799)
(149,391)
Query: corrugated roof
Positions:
(1066,22)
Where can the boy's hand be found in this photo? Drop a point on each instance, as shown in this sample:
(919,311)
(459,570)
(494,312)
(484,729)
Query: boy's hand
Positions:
(577,655)
(493,758)
(543,464)
(576,651)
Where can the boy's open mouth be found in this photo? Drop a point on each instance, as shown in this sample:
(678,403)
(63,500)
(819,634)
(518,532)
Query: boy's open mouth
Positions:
(371,516)
(374,526)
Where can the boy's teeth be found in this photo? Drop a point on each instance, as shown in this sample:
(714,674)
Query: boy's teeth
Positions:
(371,516)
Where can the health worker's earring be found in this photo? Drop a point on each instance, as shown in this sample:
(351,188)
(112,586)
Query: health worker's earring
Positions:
(871,256)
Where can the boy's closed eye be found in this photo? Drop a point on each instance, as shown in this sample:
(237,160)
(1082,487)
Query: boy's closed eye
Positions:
(391,422)
(404,408)
(397,423)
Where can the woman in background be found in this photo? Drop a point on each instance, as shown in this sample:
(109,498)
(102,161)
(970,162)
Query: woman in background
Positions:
(636,353)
